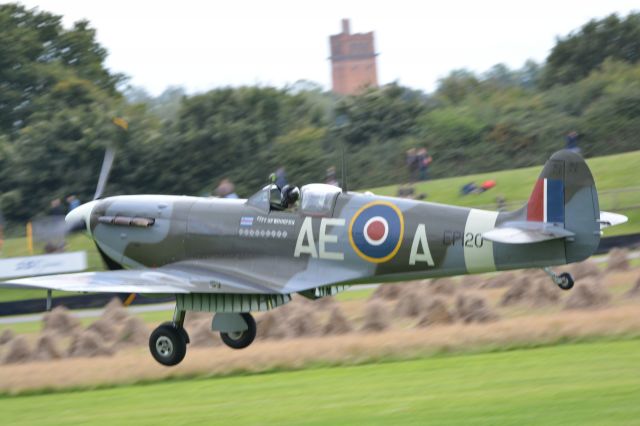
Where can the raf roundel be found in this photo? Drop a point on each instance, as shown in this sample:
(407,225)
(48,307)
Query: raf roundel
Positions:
(376,231)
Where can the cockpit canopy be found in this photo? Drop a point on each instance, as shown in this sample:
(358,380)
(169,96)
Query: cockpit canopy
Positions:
(317,199)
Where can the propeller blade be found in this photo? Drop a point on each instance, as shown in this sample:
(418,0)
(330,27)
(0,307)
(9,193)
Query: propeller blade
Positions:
(109,154)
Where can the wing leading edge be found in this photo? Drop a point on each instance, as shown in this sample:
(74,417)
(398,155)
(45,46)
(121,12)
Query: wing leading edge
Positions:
(146,281)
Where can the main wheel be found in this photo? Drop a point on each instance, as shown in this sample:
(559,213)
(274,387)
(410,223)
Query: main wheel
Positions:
(566,281)
(182,330)
(241,339)
(168,345)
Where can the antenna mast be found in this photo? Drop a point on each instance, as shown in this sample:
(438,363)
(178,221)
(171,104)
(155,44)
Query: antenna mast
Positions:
(344,168)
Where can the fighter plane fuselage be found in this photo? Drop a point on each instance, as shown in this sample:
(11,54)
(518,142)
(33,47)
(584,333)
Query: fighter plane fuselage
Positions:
(351,238)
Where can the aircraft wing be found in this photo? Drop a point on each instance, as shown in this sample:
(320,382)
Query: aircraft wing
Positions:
(526,232)
(164,280)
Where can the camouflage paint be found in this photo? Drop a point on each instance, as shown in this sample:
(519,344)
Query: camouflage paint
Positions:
(294,251)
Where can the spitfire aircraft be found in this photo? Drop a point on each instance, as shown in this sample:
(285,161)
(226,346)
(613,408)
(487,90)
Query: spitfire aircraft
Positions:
(233,257)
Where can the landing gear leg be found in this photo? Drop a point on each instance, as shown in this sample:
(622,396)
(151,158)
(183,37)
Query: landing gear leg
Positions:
(564,280)
(168,342)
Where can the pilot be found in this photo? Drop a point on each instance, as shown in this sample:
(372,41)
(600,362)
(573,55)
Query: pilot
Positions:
(289,196)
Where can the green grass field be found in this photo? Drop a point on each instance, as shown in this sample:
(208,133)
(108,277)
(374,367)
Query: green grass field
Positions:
(578,384)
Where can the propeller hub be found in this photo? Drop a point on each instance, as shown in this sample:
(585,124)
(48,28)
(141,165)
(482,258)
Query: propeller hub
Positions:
(80,217)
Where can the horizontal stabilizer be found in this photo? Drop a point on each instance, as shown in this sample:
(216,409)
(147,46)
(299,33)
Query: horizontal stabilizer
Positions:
(526,232)
(608,219)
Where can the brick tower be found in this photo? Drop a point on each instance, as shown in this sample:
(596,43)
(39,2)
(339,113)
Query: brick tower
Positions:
(353,61)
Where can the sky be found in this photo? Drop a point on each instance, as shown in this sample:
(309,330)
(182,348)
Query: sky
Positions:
(200,45)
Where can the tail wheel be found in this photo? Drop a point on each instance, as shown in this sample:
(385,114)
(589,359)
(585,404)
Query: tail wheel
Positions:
(168,345)
(566,281)
(241,339)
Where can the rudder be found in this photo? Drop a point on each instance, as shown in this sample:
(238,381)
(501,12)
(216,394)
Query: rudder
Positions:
(565,195)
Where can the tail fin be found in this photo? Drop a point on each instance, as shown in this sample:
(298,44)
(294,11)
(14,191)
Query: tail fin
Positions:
(563,205)
(565,195)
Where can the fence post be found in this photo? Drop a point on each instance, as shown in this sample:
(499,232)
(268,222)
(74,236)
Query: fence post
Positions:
(30,238)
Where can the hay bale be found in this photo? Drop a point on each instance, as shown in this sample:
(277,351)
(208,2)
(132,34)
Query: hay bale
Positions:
(46,348)
(473,308)
(544,293)
(471,281)
(587,294)
(435,313)
(444,286)
(386,292)
(195,317)
(518,292)
(410,304)
(60,321)
(536,292)
(376,316)
(286,311)
(201,334)
(18,351)
(272,325)
(104,328)
(298,301)
(114,312)
(501,280)
(6,336)
(534,274)
(133,332)
(618,260)
(337,323)
(588,268)
(302,322)
(634,291)
(326,302)
(89,344)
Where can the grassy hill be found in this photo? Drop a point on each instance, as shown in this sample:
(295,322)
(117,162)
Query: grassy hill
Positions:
(611,173)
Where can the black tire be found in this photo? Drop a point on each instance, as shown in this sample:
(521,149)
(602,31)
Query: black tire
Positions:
(567,281)
(241,339)
(181,330)
(167,345)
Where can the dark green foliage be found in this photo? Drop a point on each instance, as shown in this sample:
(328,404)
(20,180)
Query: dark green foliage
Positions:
(57,102)
(578,54)
(36,53)
(386,113)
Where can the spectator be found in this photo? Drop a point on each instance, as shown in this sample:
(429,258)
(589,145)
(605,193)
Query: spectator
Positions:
(73,202)
(412,164)
(226,189)
(330,179)
(572,142)
(487,185)
(56,208)
(423,160)
(281,178)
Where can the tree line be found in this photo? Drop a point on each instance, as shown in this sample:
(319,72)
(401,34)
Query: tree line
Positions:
(58,101)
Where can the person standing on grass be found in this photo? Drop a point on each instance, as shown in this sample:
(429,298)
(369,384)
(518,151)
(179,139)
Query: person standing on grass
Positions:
(412,164)
(572,142)
(424,160)
(73,202)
